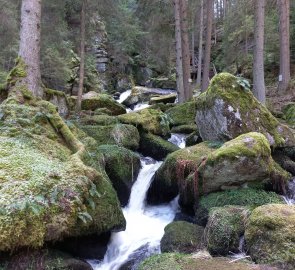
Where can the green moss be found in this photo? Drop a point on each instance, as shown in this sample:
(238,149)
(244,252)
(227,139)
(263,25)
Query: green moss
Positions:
(149,120)
(163,99)
(155,146)
(19,71)
(122,166)
(176,261)
(289,114)
(270,235)
(119,134)
(184,129)
(102,120)
(47,192)
(181,236)
(249,197)
(183,114)
(224,229)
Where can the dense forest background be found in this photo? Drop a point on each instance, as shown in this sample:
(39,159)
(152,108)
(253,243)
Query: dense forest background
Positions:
(140,40)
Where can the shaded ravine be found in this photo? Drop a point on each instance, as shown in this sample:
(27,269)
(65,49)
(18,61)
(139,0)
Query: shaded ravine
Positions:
(145,224)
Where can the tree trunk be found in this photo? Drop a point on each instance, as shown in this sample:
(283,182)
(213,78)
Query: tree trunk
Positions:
(185,50)
(258,66)
(29,50)
(200,43)
(284,28)
(82,56)
(206,70)
(179,68)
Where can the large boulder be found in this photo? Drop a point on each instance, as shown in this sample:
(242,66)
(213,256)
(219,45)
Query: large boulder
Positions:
(225,227)
(183,237)
(199,261)
(248,197)
(118,134)
(155,146)
(170,179)
(227,110)
(59,99)
(201,169)
(122,167)
(270,235)
(92,101)
(47,192)
(149,120)
(243,160)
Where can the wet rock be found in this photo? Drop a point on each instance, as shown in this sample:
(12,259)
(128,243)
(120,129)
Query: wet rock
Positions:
(163,99)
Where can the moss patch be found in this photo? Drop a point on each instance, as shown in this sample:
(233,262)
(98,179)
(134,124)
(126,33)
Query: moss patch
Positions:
(47,192)
(270,235)
(248,197)
(181,236)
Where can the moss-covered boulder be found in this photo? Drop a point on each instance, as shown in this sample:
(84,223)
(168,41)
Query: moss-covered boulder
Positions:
(119,134)
(183,114)
(245,159)
(100,120)
(183,237)
(177,261)
(184,129)
(163,99)
(270,235)
(92,101)
(249,197)
(47,259)
(170,179)
(149,120)
(47,192)
(224,229)
(193,139)
(122,166)
(203,169)
(227,110)
(155,146)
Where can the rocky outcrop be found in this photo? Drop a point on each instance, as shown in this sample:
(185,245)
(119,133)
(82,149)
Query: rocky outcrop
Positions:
(227,110)
(183,237)
(59,99)
(270,235)
(47,192)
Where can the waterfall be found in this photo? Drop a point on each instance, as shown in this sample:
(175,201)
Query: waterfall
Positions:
(124,95)
(178,139)
(290,197)
(145,224)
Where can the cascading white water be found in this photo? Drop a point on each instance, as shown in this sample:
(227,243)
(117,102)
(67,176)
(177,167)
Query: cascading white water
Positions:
(145,225)
(124,95)
(178,139)
(290,197)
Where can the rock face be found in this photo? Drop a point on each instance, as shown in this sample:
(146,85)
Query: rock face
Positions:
(183,237)
(227,110)
(202,169)
(59,99)
(270,235)
(118,134)
(92,101)
(47,192)
(122,167)
(224,229)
